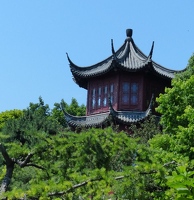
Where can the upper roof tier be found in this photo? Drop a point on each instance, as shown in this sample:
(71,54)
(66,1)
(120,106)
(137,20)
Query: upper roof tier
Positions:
(127,58)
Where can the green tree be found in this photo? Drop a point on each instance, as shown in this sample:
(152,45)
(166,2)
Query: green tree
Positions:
(74,109)
(177,108)
(60,162)
(176,103)
(7,115)
(37,117)
(97,163)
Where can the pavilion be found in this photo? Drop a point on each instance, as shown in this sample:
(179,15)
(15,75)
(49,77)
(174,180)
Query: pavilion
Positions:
(120,89)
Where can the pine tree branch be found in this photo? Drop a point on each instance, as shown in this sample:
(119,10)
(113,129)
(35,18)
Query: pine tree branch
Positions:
(73,187)
(35,165)
(5,154)
(98,179)
(25,161)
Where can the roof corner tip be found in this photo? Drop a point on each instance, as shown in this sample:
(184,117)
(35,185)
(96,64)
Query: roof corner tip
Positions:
(151,102)
(62,108)
(151,51)
(112,110)
(68,58)
(112,47)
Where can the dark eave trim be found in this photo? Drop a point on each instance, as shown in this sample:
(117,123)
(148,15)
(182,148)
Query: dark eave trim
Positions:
(98,120)
(87,121)
(129,117)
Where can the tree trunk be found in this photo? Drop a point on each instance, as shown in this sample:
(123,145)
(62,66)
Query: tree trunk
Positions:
(9,170)
(7,179)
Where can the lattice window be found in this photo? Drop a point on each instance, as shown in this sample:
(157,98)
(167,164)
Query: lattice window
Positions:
(112,93)
(125,92)
(134,93)
(93,98)
(105,96)
(130,93)
(99,96)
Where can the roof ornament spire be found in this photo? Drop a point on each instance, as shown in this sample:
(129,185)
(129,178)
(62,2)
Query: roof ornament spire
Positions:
(151,51)
(129,33)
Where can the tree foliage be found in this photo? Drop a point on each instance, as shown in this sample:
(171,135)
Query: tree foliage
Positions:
(96,163)
(177,109)
(61,161)
(9,114)
(177,102)
(39,117)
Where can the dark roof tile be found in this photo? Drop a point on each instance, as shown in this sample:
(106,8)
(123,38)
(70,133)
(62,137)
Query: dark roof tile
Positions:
(86,121)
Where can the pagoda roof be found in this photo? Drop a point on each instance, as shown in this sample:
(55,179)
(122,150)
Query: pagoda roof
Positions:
(127,58)
(98,120)
(130,117)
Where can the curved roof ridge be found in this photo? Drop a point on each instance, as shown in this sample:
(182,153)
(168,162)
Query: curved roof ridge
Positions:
(84,68)
(164,68)
(138,51)
(170,73)
(86,121)
(129,56)
(157,67)
(137,54)
(130,116)
(122,51)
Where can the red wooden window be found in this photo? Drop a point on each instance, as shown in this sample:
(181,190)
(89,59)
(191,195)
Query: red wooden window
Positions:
(125,92)
(100,94)
(134,93)
(130,93)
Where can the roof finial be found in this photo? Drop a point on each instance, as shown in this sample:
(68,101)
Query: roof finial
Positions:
(129,32)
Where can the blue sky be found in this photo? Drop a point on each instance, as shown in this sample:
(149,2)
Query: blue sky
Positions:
(35,36)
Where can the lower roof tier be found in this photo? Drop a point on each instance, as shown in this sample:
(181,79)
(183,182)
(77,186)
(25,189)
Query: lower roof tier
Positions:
(112,116)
